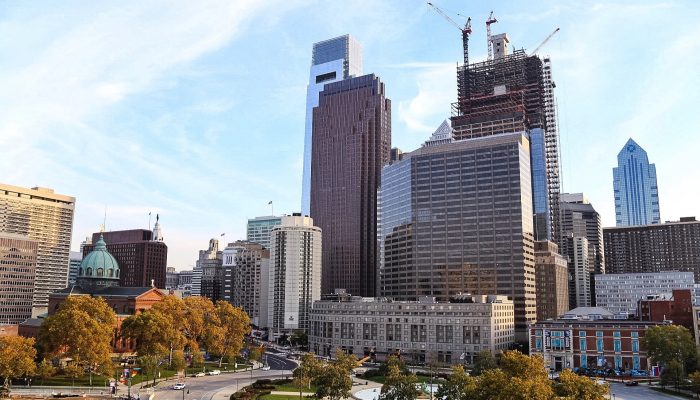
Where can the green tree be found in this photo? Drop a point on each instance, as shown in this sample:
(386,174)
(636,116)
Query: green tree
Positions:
(155,334)
(82,330)
(16,359)
(665,343)
(398,385)
(347,362)
(45,369)
(299,338)
(491,384)
(227,331)
(309,370)
(178,360)
(149,366)
(73,371)
(459,386)
(672,373)
(695,381)
(333,382)
(575,387)
(483,361)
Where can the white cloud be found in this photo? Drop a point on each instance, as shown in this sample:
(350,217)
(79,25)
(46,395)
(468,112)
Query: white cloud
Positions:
(436,90)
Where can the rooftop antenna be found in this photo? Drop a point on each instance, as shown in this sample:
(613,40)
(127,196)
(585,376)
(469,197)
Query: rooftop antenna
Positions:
(489,21)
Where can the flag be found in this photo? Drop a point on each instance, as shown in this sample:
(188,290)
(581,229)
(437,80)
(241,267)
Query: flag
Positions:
(269,202)
(149,213)
(223,234)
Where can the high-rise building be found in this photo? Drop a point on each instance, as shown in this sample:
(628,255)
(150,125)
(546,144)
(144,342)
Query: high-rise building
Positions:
(332,60)
(259,228)
(551,281)
(47,217)
(171,278)
(580,271)
(514,92)
(351,142)
(142,259)
(671,246)
(578,219)
(211,277)
(456,217)
(242,270)
(620,293)
(18,257)
(76,257)
(636,190)
(294,275)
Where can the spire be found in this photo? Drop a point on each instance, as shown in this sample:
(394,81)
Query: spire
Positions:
(157,234)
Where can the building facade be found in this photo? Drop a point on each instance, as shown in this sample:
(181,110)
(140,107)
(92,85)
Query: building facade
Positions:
(419,331)
(242,268)
(47,217)
(621,293)
(211,277)
(141,257)
(259,228)
(351,143)
(456,217)
(294,275)
(676,307)
(635,188)
(18,259)
(332,60)
(551,281)
(671,246)
(76,257)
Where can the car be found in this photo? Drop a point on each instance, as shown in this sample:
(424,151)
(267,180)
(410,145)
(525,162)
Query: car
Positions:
(199,374)
(215,372)
(631,383)
(266,368)
(179,386)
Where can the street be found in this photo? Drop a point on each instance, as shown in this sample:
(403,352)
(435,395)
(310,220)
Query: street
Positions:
(619,391)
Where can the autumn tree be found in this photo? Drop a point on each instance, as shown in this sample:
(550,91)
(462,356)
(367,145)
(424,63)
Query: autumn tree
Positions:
(398,384)
(154,333)
(82,330)
(309,370)
(526,377)
(73,371)
(459,386)
(149,366)
(226,335)
(178,360)
(334,380)
(45,369)
(575,387)
(695,382)
(483,361)
(16,359)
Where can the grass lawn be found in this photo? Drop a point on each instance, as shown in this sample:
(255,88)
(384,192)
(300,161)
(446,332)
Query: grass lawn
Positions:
(421,379)
(279,397)
(290,387)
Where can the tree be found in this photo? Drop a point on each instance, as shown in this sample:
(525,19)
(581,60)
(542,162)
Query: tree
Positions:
(672,373)
(153,332)
(574,387)
(73,371)
(178,360)
(527,377)
(665,343)
(309,370)
(459,386)
(491,384)
(299,338)
(45,369)
(333,382)
(82,330)
(695,381)
(16,359)
(197,359)
(347,362)
(225,336)
(149,366)
(483,361)
(398,385)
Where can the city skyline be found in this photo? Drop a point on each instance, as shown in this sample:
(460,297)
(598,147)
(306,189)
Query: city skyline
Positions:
(155,122)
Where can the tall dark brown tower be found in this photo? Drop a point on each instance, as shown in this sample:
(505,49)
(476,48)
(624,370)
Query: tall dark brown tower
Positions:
(351,142)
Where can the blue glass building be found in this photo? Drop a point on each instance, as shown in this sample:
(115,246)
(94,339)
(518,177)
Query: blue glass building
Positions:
(332,60)
(636,190)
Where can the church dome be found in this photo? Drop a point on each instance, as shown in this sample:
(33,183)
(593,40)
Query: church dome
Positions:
(99,263)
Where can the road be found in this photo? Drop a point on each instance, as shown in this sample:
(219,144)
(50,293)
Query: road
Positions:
(619,391)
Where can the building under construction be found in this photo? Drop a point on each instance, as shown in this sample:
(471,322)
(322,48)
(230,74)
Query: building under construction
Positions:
(513,92)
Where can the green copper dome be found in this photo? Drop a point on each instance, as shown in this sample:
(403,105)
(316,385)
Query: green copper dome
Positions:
(99,263)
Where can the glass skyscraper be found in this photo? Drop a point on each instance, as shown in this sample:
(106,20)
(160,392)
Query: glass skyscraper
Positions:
(332,60)
(259,228)
(636,191)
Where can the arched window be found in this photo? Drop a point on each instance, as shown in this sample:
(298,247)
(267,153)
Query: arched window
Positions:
(111,273)
(80,272)
(88,272)
(117,275)
(100,272)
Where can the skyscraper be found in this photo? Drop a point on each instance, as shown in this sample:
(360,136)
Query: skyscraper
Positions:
(294,280)
(76,258)
(456,217)
(242,268)
(18,256)
(332,60)
(208,275)
(47,217)
(636,190)
(259,228)
(351,143)
(551,281)
(142,259)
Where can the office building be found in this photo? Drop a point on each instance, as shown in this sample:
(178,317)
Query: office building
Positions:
(75,257)
(18,260)
(420,331)
(551,281)
(456,217)
(589,338)
(514,92)
(580,220)
(259,228)
(675,307)
(294,274)
(621,293)
(242,264)
(171,278)
(332,60)
(671,246)
(351,143)
(635,188)
(211,277)
(47,217)
(142,258)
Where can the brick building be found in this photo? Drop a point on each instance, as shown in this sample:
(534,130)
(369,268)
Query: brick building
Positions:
(676,307)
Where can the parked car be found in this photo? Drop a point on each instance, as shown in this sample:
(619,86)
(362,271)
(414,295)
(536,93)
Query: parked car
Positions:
(631,383)
(199,374)
(215,372)
(266,368)
(179,386)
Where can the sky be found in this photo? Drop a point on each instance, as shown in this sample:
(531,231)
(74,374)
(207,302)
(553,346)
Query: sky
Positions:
(195,110)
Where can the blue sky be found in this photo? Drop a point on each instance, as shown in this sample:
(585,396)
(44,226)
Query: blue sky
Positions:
(195,110)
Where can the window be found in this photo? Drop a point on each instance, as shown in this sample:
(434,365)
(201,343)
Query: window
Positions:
(557,344)
(635,362)
(582,344)
(635,334)
(616,334)
(635,346)
(584,360)
(599,334)
(599,345)
(618,362)
(538,343)
(618,345)
(582,333)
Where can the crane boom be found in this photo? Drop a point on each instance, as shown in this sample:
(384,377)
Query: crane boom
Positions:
(442,14)
(544,42)
(489,45)
(466,31)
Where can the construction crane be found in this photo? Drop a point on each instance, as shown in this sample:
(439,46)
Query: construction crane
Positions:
(489,45)
(544,42)
(466,31)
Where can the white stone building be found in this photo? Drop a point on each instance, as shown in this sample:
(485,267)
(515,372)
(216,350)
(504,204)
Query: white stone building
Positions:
(620,293)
